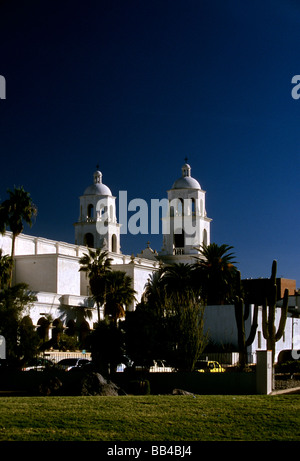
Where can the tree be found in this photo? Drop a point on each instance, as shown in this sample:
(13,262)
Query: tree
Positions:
(14,301)
(217,273)
(106,344)
(168,324)
(179,279)
(185,314)
(146,334)
(96,264)
(28,342)
(119,295)
(6,263)
(14,212)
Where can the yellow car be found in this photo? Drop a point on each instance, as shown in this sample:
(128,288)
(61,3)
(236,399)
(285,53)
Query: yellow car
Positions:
(203,366)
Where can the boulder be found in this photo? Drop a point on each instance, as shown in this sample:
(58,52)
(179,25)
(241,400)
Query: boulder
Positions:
(96,384)
(181,392)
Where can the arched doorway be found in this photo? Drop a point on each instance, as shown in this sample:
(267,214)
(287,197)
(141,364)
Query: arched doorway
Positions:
(43,329)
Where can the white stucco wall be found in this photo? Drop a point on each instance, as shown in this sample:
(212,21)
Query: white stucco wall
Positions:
(220,322)
(68,275)
(51,269)
(38,271)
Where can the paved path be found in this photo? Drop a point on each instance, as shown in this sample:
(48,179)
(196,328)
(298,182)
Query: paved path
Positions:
(292,390)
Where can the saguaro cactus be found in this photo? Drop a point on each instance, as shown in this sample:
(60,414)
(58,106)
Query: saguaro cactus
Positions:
(242,312)
(269,312)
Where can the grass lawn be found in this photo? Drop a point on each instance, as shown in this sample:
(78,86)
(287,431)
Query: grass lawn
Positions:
(150,418)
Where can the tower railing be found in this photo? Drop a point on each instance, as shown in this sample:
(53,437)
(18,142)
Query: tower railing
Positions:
(178,251)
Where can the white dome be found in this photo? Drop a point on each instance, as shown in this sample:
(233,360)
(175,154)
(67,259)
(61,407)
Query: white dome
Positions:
(98,188)
(186,181)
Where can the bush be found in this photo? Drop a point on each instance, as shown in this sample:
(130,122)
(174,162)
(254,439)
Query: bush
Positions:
(291,367)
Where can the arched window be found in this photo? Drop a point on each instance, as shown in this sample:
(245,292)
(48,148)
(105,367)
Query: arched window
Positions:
(204,237)
(114,243)
(71,328)
(179,239)
(43,329)
(57,331)
(90,211)
(89,240)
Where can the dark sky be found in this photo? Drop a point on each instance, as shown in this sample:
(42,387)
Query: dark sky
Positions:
(136,86)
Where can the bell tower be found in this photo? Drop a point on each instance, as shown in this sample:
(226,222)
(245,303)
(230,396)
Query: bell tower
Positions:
(186,226)
(97,225)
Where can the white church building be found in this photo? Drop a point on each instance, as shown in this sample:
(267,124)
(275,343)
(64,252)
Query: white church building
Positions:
(51,268)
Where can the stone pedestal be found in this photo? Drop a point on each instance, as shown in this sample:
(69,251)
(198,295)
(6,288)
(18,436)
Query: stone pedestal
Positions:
(264,372)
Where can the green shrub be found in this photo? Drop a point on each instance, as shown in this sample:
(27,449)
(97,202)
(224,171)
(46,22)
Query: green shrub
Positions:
(291,367)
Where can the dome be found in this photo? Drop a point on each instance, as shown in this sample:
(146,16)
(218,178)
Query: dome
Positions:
(186,181)
(98,188)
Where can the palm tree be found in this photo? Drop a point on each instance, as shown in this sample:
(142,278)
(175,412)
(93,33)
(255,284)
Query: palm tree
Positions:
(179,280)
(119,295)
(217,273)
(5,269)
(14,212)
(97,265)
(154,293)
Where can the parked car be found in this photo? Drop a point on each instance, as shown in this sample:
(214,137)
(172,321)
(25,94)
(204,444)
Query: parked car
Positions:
(69,364)
(38,364)
(125,363)
(204,366)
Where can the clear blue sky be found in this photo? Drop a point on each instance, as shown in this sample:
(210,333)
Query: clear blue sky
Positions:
(136,86)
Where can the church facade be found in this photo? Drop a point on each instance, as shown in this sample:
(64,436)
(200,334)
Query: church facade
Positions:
(51,268)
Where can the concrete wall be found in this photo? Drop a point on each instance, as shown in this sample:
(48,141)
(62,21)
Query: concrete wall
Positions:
(220,323)
(39,272)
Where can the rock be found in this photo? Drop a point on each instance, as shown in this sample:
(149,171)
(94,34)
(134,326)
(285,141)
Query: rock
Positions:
(181,392)
(50,386)
(96,384)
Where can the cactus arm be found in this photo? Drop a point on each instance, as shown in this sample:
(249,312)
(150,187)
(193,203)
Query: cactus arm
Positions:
(265,321)
(239,316)
(274,271)
(283,317)
(253,327)
(247,311)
